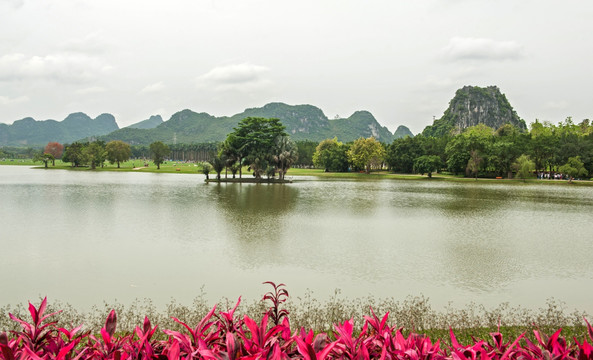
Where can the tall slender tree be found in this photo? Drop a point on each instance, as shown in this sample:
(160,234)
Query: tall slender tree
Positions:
(158,152)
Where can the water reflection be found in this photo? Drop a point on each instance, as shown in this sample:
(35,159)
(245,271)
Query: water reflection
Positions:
(167,234)
(254,217)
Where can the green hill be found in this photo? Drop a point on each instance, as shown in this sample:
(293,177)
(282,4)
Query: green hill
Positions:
(150,123)
(303,122)
(359,124)
(402,132)
(76,126)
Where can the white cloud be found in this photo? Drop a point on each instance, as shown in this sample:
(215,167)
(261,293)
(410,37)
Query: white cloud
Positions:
(69,68)
(239,77)
(156,87)
(92,43)
(482,49)
(91,90)
(557,105)
(14,3)
(5,100)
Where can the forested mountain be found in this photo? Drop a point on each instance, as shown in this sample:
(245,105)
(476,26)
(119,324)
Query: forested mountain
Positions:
(402,132)
(473,105)
(303,122)
(150,123)
(359,124)
(76,126)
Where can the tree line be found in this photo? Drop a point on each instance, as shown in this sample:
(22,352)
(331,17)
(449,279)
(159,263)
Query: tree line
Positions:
(266,149)
(482,151)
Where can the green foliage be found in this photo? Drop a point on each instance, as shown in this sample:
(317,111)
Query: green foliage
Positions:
(306,149)
(206,168)
(457,151)
(158,152)
(218,164)
(74,154)
(254,140)
(524,167)
(118,152)
(427,164)
(95,154)
(574,168)
(285,154)
(45,158)
(473,164)
(366,154)
(402,153)
(331,155)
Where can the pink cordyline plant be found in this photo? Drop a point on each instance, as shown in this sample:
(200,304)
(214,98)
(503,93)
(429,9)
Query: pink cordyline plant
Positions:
(227,336)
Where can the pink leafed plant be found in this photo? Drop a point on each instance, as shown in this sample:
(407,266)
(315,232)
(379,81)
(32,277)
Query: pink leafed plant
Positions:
(225,335)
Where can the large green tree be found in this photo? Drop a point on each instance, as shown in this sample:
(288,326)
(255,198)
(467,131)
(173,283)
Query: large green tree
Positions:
(543,144)
(427,164)
(331,155)
(118,152)
(253,140)
(45,158)
(74,154)
(473,164)
(366,154)
(524,167)
(95,154)
(158,152)
(574,168)
(402,153)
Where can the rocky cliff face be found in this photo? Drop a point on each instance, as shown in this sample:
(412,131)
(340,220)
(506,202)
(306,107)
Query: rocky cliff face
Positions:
(473,105)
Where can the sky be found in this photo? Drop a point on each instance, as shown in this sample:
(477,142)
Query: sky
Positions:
(400,60)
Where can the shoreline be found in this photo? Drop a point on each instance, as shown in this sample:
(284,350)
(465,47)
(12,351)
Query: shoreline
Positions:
(190,168)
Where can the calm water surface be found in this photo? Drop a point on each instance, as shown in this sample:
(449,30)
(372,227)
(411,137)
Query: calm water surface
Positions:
(85,237)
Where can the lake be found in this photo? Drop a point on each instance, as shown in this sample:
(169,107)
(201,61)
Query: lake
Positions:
(86,237)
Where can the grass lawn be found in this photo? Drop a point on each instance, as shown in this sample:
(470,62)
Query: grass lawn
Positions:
(193,168)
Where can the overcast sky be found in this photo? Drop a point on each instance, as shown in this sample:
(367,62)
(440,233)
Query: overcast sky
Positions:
(400,60)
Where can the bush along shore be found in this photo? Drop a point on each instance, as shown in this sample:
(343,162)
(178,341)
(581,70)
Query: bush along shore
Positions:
(272,334)
(249,180)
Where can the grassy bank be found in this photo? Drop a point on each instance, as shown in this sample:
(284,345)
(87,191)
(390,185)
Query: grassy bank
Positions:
(193,168)
(413,314)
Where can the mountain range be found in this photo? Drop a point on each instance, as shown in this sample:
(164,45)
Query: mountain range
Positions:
(76,126)
(302,122)
(470,106)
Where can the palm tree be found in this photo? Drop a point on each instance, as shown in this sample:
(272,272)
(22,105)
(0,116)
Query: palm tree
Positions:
(286,153)
(218,164)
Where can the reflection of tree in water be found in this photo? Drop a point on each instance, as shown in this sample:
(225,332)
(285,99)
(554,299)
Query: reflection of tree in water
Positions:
(255,211)
(470,200)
